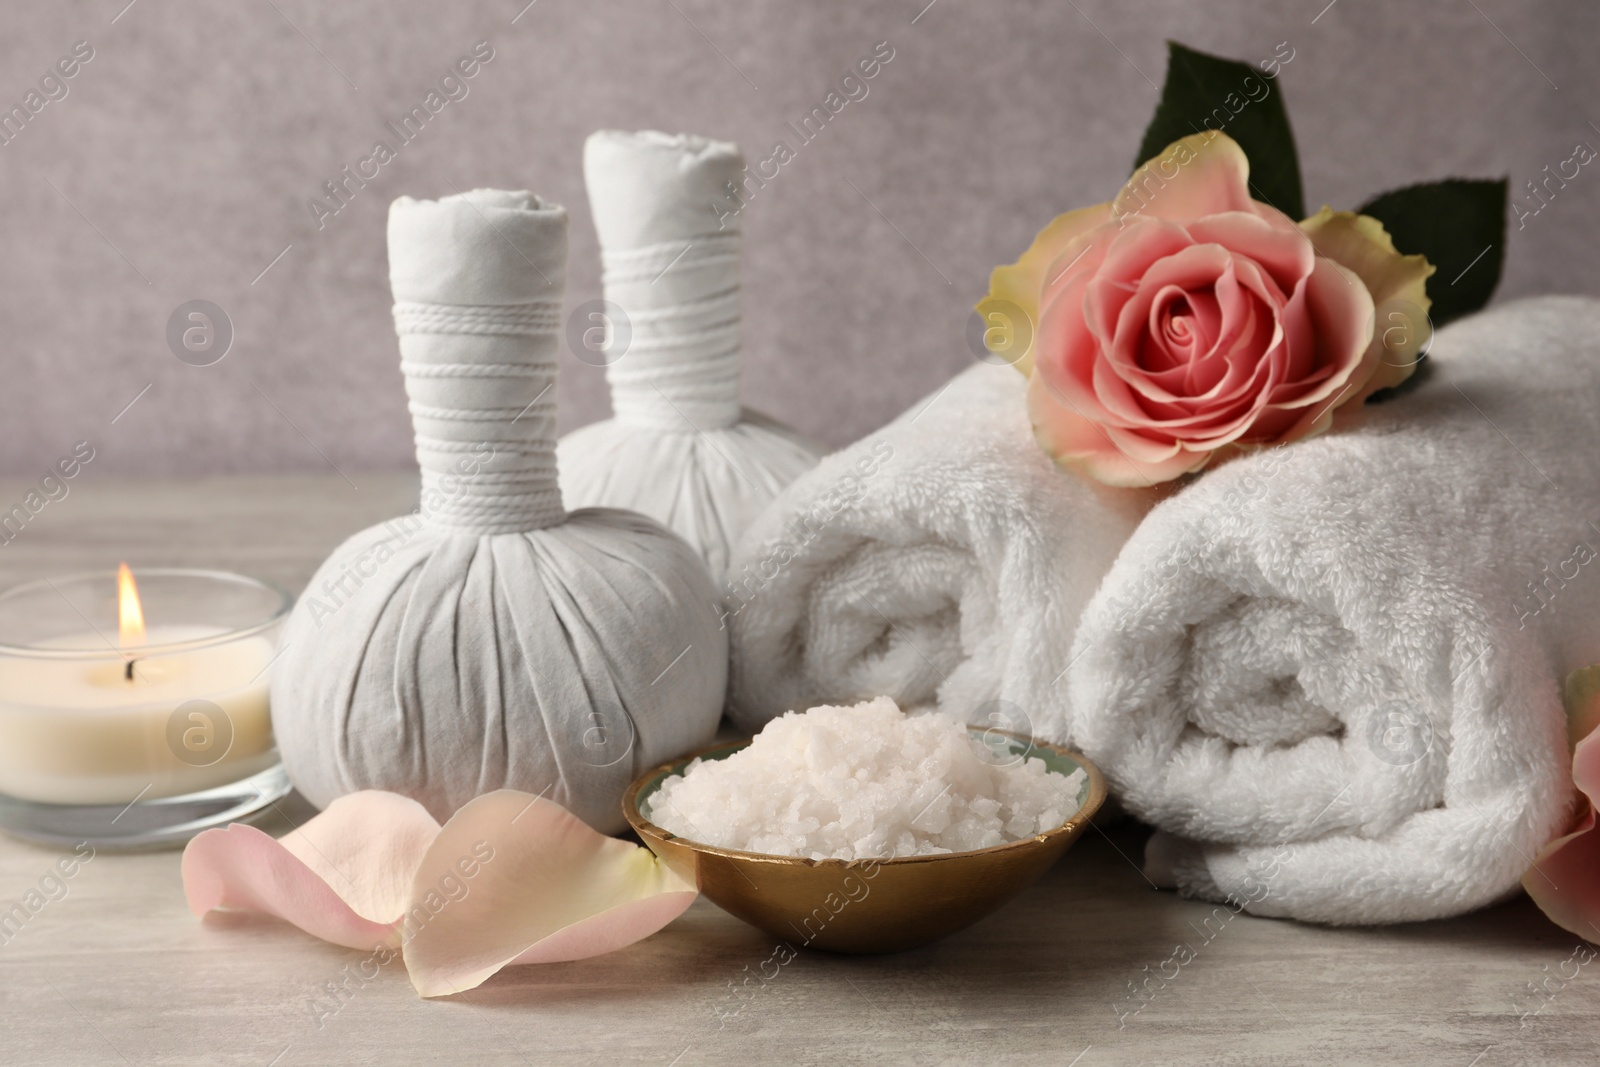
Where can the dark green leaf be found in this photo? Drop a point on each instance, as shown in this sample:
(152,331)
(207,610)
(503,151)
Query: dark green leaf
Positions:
(1460,225)
(1204,92)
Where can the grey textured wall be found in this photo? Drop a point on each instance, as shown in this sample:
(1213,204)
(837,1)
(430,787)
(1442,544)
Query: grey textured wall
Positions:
(180,162)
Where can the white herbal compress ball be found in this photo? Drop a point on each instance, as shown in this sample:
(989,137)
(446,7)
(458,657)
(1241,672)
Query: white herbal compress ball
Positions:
(494,639)
(678,448)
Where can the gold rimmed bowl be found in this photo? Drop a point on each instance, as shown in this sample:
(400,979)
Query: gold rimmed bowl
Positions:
(865,905)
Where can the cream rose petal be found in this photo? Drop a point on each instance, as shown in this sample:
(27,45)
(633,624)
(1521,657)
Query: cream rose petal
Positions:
(553,889)
(242,869)
(1195,176)
(343,877)
(1397,284)
(1023,283)
(509,879)
(365,846)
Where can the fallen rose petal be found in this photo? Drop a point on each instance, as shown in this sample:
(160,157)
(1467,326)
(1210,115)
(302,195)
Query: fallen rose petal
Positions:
(241,867)
(610,930)
(345,876)
(511,878)
(516,878)
(367,846)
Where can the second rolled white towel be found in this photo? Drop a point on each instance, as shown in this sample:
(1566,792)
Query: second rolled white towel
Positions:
(1330,673)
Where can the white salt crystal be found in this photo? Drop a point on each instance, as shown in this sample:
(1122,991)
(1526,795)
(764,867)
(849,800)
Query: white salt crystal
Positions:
(864,782)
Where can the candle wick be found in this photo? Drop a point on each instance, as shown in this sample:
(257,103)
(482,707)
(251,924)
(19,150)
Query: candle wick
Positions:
(127,671)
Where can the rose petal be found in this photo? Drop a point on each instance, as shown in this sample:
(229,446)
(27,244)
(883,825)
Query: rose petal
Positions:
(1398,285)
(1076,443)
(611,930)
(550,889)
(1146,450)
(1226,393)
(241,867)
(1194,176)
(1339,310)
(1202,269)
(1065,351)
(1277,245)
(366,846)
(1192,322)
(1128,256)
(1564,880)
(1024,282)
(1360,244)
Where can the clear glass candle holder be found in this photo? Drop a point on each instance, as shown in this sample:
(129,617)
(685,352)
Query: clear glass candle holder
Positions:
(141,739)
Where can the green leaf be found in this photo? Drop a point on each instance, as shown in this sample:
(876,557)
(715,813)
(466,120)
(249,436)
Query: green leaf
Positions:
(1205,92)
(1460,225)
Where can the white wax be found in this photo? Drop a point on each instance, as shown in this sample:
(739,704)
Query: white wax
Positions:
(81,732)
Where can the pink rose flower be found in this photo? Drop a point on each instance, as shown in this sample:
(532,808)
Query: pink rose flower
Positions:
(1185,320)
(1564,879)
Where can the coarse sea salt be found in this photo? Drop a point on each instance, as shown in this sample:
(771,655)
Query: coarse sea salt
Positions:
(864,782)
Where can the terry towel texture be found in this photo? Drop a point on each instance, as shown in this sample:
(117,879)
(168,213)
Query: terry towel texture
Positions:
(942,560)
(1331,672)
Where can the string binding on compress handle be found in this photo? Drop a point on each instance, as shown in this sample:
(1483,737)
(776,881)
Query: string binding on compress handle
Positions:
(486,429)
(680,371)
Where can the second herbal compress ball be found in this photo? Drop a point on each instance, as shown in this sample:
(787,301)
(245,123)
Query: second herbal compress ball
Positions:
(494,640)
(679,447)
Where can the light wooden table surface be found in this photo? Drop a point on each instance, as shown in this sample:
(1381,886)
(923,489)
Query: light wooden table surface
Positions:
(118,971)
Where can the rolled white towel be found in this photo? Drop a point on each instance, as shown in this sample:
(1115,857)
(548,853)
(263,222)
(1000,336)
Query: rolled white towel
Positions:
(941,560)
(679,448)
(1330,672)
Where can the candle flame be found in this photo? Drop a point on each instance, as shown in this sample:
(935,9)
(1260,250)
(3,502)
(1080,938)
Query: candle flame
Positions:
(130,617)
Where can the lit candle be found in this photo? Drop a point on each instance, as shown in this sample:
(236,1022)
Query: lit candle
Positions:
(167,710)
